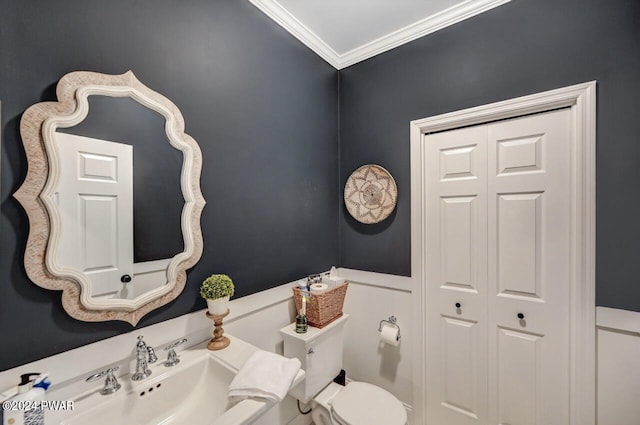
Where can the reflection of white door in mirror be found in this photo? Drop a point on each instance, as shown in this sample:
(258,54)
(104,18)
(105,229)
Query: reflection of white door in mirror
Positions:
(95,197)
(158,280)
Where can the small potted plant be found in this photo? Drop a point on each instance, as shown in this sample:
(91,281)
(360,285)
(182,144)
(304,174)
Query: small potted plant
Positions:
(217,289)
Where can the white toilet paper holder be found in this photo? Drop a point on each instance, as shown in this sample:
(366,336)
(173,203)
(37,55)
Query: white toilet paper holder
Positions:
(391,321)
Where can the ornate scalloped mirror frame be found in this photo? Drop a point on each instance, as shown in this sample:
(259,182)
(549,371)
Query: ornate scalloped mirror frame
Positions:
(36,195)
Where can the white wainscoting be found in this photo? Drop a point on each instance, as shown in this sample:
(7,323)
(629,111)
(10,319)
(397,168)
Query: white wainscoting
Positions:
(618,335)
(373,297)
(257,319)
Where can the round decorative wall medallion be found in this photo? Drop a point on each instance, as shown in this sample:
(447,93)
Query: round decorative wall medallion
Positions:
(370,194)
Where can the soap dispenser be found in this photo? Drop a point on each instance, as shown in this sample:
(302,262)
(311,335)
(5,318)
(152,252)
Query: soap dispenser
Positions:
(24,407)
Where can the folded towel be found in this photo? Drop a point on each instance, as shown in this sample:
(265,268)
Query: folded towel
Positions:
(265,375)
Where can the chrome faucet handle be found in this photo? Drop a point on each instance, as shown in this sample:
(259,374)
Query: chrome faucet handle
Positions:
(175,344)
(152,354)
(111,384)
(141,344)
(172,357)
(142,369)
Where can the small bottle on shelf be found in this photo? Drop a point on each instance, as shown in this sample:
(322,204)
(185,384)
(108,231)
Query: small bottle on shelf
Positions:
(301,318)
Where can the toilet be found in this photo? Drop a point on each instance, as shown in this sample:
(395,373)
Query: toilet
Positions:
(358,403)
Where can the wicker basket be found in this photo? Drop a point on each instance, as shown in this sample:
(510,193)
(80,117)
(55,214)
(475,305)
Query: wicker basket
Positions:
(323,308)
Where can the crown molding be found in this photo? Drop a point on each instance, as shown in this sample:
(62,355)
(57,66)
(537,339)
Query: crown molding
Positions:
(286,20)
(418,29)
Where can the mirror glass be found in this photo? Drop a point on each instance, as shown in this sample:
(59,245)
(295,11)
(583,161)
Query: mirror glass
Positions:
(113,197)
(119,198)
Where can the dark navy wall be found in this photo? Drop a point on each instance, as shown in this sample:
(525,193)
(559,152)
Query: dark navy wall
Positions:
(523,47)
(263,108)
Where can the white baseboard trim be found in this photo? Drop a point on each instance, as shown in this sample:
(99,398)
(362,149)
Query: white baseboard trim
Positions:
(614,318)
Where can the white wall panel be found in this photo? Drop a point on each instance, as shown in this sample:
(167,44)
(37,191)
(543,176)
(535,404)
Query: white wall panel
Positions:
(257,319)
(365,357)
(618,338)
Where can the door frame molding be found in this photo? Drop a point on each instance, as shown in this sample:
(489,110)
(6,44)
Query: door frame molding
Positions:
(581,99)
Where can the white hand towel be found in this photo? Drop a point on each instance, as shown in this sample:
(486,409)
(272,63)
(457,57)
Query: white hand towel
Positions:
(265,375)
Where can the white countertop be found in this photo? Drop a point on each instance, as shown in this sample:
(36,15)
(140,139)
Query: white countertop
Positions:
(237,354)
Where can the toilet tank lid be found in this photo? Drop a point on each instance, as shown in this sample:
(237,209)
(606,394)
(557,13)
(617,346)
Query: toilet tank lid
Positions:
(313,333)
(360,403)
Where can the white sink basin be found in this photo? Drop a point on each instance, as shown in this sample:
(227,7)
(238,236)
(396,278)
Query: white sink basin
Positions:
(194,392)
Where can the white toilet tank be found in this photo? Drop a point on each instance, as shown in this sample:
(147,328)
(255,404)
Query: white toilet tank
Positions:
(319,351)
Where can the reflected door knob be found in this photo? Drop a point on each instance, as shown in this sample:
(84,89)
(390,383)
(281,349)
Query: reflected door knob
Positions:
(125,278)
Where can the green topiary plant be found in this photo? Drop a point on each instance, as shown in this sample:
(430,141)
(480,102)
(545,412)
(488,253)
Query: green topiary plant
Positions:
(216,286)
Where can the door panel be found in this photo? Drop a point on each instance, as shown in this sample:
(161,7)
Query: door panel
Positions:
(529,230)
(517,377)
(95,190)
(518,233)
(519,155)
(458,226)
(459,348)
(498,234)
(459,162)
(98,242)
(457,272)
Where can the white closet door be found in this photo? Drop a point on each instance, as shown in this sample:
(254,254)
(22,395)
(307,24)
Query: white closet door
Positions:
(95,196)
(456,265)
(529,269)
(498,203)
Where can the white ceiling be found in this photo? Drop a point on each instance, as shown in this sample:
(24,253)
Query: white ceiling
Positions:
(347,24)
(345,32)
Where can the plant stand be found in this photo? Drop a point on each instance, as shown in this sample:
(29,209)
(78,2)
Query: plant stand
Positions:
(219,341)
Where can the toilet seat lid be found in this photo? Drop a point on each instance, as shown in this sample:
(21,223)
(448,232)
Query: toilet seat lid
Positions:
(360,403)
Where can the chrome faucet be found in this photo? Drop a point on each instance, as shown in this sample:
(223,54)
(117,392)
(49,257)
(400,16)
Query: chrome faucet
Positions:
(172,357)
(144,356)
(111,384)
